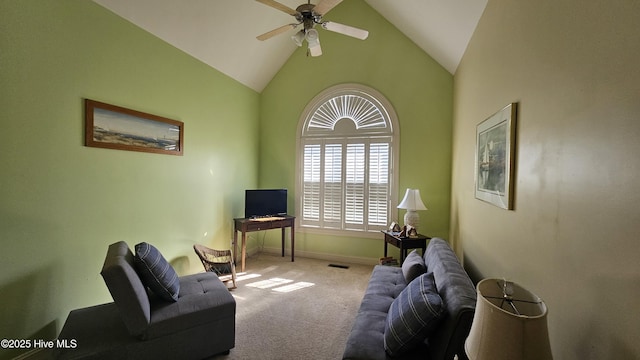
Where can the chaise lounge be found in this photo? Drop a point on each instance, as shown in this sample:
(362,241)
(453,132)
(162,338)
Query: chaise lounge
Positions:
(198,323)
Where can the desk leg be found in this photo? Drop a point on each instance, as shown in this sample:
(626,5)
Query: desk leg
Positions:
(283,242)
(244,249)
(235,246)
(293,239)
(385,246)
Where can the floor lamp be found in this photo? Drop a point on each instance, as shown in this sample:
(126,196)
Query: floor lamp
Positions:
(510,323)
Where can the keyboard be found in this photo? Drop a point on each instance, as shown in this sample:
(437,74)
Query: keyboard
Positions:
(268,218)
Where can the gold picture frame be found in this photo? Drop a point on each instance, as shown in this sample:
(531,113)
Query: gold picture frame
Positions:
(495,158)
(114,127)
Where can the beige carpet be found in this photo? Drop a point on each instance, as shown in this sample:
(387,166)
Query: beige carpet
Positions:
(295,310)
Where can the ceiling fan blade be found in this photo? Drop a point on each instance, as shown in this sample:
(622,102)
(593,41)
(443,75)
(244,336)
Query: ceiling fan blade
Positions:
(276,5)
(324,6)
(346,30)
(277,31)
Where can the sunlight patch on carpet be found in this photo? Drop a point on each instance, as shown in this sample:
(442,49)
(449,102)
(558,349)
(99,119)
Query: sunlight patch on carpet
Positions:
(280,285)
(293,287)
(265,284)
(245,276)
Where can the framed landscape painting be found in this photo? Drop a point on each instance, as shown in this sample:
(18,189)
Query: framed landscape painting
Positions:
(495,156)
(114,127)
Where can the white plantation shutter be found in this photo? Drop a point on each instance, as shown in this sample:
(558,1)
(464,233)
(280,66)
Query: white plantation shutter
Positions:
(311,188)
(346,170)
(378,192)
(354,185)
(332,196)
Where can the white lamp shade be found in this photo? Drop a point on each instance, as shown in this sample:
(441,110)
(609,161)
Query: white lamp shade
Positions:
(312,36)
(412,201)
(498,333)
(298,38)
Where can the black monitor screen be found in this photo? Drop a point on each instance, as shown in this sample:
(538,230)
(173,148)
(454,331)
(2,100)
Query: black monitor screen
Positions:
(265,202)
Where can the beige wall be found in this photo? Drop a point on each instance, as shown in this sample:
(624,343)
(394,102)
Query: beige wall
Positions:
(573,67)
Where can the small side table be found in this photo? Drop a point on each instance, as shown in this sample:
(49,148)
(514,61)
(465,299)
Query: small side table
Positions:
(404,243)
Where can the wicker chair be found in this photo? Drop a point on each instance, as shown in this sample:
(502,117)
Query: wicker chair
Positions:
(219,262)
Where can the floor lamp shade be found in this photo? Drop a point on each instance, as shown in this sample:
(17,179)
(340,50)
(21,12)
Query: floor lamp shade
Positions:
(510,323)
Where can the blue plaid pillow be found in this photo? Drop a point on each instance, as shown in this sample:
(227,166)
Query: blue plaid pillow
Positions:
(413,315)
(156,273)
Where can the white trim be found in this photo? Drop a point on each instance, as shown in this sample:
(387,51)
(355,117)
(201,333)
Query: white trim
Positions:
(323,256)
(372,96)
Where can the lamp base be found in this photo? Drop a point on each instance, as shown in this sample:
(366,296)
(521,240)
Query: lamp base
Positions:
(412,218)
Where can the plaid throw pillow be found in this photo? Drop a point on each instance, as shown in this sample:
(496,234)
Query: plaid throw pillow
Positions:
(156,273)
(413,315)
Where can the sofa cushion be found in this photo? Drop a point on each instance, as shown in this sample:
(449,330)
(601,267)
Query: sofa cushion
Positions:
(413,315)
(126,287)
(413,266)
(156,273)
(204,299)
(366,339)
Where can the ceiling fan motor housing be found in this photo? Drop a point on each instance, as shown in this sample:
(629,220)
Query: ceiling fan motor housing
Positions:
(307,16)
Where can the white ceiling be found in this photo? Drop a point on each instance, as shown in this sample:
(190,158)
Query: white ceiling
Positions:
(222,33)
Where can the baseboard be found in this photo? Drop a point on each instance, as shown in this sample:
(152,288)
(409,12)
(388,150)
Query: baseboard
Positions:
(323,256)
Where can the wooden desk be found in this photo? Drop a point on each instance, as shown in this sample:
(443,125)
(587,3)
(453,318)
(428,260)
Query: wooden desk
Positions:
(404,243)
(248,225)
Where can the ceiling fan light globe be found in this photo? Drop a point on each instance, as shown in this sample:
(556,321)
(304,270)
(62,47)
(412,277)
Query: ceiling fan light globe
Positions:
(298,38)
(312,36)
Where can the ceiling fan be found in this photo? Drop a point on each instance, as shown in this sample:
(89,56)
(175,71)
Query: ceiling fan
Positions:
(310,15)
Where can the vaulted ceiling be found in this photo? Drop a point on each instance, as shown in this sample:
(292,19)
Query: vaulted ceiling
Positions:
(222,33)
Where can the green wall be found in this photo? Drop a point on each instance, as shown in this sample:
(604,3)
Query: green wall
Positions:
(420,90)
(63,203)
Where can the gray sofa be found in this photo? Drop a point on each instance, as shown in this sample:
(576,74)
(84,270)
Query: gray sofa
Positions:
(458,295)
(140,325)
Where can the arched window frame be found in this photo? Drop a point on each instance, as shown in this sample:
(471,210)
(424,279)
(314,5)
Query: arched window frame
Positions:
(322,126)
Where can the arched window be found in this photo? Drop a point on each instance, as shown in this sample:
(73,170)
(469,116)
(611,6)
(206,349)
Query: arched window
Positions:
(346,161)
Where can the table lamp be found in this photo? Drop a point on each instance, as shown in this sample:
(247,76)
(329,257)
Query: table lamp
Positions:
(412,202)
(510,323)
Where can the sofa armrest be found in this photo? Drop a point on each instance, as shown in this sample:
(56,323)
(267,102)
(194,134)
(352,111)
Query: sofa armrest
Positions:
(459,297)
